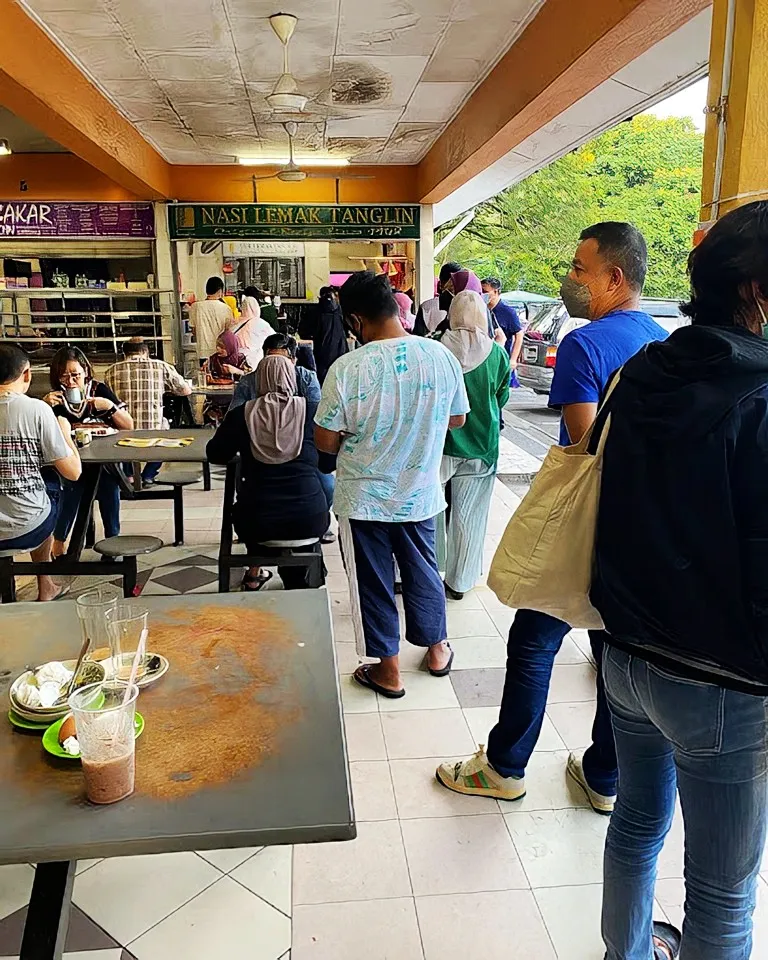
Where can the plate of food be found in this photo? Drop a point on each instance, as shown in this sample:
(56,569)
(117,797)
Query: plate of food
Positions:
(60,739)
(40,694)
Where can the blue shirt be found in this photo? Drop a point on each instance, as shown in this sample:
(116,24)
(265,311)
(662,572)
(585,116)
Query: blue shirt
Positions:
(307,385)
(588,356)
(392,400)
(507,318)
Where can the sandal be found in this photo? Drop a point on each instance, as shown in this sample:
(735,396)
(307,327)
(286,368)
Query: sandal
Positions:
(670,937)
(363,676)
(446,669)
(252,584)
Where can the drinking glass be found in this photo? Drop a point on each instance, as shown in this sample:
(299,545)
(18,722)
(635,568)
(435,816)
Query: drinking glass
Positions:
(128,628)
(92,609)
(104,723)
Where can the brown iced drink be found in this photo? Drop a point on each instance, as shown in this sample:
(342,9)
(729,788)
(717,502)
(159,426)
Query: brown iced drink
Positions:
(107,781)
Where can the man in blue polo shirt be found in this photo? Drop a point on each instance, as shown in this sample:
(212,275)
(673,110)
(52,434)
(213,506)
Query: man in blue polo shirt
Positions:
(604,287)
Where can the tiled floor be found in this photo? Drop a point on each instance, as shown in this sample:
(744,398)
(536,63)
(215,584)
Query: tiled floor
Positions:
(432,875)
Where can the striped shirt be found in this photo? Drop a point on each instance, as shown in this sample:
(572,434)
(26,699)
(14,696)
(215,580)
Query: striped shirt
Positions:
(140,384)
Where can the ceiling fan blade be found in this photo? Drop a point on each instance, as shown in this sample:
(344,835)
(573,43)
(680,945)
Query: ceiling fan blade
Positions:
(343,176)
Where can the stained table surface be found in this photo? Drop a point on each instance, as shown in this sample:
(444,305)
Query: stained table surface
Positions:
(243,746)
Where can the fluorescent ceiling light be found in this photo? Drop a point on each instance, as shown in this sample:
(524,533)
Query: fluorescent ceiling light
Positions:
(299,161)
(5,150)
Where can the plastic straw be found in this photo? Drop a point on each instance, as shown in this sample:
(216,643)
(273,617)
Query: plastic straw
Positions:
(140,650)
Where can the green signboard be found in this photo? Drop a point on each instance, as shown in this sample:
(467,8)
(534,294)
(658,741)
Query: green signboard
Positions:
(293,221)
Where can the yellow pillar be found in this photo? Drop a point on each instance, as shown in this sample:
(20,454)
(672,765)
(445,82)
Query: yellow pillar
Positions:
(739,34)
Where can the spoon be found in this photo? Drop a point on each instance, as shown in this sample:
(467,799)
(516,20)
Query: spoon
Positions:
(78,665)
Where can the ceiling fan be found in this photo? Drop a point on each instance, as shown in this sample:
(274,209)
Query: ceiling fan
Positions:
(286,98)
(292,172)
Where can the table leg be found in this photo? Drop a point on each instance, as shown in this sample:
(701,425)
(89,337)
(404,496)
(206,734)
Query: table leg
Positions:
(45,930)
(90,481)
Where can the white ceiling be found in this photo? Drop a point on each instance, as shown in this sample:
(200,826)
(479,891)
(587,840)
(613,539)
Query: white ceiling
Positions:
(192,75)
(674,63)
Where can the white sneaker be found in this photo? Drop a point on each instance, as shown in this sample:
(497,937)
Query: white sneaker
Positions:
(477,778)
(598,802)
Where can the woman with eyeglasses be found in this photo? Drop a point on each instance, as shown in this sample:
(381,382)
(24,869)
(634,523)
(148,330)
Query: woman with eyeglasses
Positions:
(81,400)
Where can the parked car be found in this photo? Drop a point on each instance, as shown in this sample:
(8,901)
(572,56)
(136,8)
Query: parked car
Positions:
(546,330)
(527,304)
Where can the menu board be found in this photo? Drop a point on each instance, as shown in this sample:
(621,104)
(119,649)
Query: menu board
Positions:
(80,220)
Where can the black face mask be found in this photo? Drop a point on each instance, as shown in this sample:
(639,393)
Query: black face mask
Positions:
(444,300)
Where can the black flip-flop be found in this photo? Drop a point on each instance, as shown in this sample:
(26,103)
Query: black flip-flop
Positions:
(363,676)
(253,584)
(446,669)
(670,936)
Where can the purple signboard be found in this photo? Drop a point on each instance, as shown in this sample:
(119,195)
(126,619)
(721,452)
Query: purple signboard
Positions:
(76,220)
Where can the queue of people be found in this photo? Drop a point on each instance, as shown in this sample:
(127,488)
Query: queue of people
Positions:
(677,576)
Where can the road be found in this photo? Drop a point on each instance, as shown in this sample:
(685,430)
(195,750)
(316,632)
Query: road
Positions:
(530,428)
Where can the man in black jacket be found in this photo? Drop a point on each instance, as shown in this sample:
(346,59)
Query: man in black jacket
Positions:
(681,581)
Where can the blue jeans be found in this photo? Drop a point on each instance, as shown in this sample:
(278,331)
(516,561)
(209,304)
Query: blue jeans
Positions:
(709,744)
(377,545)
(328,483)
(534,640)
(107,496)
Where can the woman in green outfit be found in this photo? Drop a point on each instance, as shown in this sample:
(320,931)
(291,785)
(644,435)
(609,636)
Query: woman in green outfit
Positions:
(471,453)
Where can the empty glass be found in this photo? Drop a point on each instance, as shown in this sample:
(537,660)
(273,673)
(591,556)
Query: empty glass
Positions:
(92,609)
(128,628)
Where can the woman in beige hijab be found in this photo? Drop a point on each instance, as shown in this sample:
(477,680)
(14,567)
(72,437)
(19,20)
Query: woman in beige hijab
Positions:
(280,496)
(471,453)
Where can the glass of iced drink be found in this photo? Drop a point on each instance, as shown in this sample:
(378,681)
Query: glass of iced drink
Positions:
(128,629)
(104,722)
(92,609)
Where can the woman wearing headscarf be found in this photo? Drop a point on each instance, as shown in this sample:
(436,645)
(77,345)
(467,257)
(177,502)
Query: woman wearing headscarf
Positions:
(251,331)
(227,364)
(405,309)
(329,334)
(459,282)
(280,496)
(471,453)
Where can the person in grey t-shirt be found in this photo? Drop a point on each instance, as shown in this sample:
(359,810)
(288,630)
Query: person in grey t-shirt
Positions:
(30,439)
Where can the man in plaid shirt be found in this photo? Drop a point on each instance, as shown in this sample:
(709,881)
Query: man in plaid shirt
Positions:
(140,381)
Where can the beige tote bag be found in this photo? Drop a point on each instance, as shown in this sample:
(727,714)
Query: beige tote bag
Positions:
(544,560)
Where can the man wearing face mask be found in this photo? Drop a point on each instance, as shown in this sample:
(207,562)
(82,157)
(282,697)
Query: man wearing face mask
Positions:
(604,286)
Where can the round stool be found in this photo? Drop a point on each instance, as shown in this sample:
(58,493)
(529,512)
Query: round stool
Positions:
(129,548)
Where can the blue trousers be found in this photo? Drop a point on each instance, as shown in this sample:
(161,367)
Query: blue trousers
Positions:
(377,546)
(709,744)
(107,496)
(534,640)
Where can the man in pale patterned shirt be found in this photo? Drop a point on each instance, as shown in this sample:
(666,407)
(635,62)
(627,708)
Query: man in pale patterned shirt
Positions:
(385,410)
(209,317)
(140,381)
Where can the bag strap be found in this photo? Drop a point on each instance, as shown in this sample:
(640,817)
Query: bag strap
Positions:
(599,431)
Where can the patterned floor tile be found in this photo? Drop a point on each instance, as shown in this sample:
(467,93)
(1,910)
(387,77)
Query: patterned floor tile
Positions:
(84,936)
(186,578)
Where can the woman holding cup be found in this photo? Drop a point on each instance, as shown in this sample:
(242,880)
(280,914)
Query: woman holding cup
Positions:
(80,399)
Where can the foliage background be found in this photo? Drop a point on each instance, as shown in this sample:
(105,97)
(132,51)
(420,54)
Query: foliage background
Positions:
(646,170)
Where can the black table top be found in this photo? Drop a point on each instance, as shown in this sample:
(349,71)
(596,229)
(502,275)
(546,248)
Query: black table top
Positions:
(106,449)
(243,746)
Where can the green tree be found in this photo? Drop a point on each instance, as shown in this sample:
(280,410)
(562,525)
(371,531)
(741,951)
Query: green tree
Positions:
(647,171)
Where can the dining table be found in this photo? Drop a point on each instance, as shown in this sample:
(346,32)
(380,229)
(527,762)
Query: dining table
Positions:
(243,744)
(105,451)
